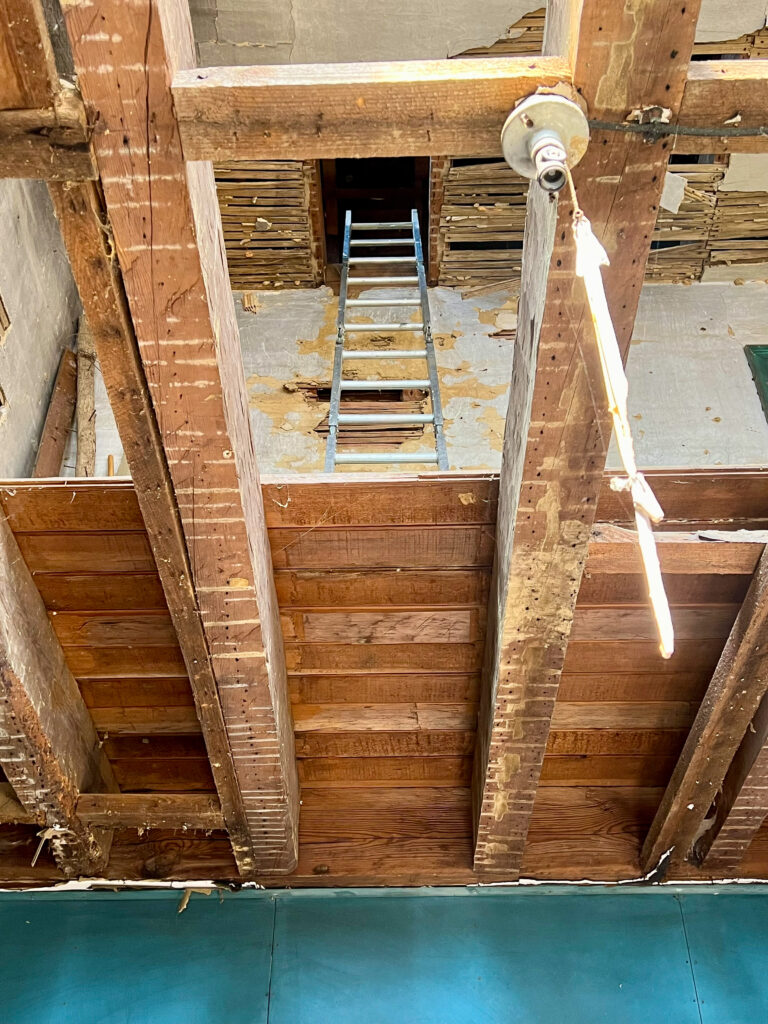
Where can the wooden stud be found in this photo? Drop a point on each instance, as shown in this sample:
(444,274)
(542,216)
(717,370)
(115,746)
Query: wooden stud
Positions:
(90,246)
(168,238)
(85,414)
(58,419)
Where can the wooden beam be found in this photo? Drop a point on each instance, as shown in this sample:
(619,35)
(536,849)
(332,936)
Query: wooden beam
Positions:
(168,237)
(151,810)
(44,131)
(625,56)
(718,92)
(325,111)
(58,419)
(27,65)
(51,143)
(49,749)
(741,806)
(438,174)
(401,108)
(738,686)
(85,411)
(90,245)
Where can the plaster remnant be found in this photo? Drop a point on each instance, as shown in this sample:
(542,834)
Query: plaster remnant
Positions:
(500,804)
(508,766)
(721,19)
(327,31)
(747,172)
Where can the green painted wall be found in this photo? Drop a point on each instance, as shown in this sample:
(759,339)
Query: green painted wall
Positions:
(503,956)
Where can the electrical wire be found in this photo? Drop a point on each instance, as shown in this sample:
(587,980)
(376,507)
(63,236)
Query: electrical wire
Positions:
(655,130)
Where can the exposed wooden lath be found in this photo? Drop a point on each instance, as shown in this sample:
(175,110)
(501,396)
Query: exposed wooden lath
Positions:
(271,213)
(480,218)
(527,34)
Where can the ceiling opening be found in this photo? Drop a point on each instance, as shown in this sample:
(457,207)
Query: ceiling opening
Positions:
(380,189)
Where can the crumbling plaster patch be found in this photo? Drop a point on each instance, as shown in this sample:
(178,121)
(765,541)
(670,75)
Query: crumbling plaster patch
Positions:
(292,337)
(232,32)
(747,172)
(40,297)
(692,400)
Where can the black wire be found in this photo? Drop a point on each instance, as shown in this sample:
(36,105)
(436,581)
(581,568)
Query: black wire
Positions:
(654,130)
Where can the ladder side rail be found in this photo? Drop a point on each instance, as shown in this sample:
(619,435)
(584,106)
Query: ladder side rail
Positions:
(333,414)
(437,406)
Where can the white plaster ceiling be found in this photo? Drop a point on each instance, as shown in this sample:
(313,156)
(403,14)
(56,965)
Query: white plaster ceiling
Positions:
(231,32)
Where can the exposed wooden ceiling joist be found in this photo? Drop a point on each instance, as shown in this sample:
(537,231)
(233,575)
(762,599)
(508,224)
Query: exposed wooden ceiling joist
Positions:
(738,686)
(50,751)
(87,236)
(430,108)
(728,94)
(167,234)
(399,108)
(626,57)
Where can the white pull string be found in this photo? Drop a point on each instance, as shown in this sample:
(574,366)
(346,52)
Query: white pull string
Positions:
(590,257)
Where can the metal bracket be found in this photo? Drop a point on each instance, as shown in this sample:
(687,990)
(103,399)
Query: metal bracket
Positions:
(543,136)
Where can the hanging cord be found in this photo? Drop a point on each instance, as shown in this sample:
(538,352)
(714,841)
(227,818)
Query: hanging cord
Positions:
(590,256)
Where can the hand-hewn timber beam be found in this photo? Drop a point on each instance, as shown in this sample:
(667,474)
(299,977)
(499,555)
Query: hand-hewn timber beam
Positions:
(727,94)
(423,108)
(322,111)
(88,238)
(738,685)
(168,237)
(626,55)
(151,810)
(44,132)
(49,749)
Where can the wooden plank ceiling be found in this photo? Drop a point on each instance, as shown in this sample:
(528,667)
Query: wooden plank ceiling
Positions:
(382,587)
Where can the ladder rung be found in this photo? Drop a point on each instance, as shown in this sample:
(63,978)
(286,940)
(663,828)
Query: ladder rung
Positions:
(405,279)
(383,385)
(382,259)
(348,418)
(381,241)
(384,302)
(367,328)
(391,353)
(378,225)
(385,457)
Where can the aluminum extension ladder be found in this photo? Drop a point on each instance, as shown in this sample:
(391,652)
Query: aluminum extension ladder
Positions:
(342,355)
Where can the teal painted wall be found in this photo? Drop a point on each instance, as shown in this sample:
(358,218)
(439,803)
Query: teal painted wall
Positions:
(507,956)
